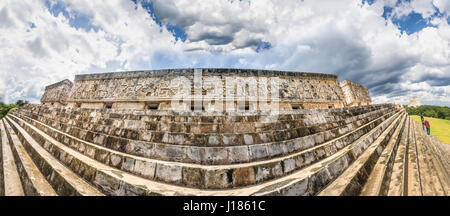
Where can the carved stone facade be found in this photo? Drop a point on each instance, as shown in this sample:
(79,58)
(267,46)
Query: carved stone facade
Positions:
(56,94)
(354,93)
(213,90)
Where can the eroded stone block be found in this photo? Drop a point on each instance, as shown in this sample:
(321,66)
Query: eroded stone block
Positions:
(243,176)
(145,169)
(218,178)
(169,173)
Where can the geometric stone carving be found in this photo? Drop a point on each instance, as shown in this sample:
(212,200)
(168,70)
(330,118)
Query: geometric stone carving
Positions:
(57,93)
(155,90)
(354,93)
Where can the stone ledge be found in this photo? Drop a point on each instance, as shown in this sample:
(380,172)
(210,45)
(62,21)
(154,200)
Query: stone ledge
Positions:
(274,167)
(205,71)
(66,182)
(199,115)
(66,81)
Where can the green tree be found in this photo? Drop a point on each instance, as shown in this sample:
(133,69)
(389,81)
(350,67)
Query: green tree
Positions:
(5,109)
(21,103)
(430,111)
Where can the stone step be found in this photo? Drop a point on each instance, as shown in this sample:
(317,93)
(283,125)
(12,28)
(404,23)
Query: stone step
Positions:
(62,179)
(195,127)
(378,182)
(116,182)
(240,129)
(439,160)
(201,176)
(203,155)
(200,134)
(109,180)
(396,185)
(2,183)
(431,184)
(200,117)
(11,178)
(310,119)
(199,138)
(353,179)
(442,151)
(412,176)
(439,156)
(92,151)
(33,182)
(313,179)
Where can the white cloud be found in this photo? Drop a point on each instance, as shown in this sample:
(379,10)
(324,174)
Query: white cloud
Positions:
(54,50)
(5,21)
(442,5)
(343,37)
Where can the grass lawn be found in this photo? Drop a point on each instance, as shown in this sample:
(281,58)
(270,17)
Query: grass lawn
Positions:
(440,128)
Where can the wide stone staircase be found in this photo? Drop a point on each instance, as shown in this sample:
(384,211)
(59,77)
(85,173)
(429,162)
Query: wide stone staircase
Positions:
(367,150)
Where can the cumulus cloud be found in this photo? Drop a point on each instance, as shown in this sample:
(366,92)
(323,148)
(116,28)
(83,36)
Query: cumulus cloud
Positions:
(52,48)
(5,21)
(46,41)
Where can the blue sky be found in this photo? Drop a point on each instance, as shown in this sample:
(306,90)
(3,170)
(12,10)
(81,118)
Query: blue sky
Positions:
(398,49)
(411,22)
(77,19)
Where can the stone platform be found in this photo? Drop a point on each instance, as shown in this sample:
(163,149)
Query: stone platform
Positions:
(366,150)
(121,134)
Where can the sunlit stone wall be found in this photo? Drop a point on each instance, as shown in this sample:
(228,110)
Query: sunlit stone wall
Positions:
(355,94)
(56,94)
(241,89)
(208,90)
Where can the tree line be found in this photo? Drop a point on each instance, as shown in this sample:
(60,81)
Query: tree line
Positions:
(6,108)
(430,111)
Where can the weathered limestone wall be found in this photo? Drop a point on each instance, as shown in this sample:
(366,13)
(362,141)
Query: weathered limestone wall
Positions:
(354,93)
(207,90)
(136,89)
(56,94)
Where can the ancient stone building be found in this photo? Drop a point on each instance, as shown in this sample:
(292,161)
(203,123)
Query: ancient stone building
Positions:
(57,93)
(117,136)
(219,88)
(354,93)
(415,102)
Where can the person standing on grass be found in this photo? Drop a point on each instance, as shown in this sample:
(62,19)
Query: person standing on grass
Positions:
(427,124)
(423,124)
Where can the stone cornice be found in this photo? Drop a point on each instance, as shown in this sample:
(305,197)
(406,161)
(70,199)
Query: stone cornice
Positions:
(205,71)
